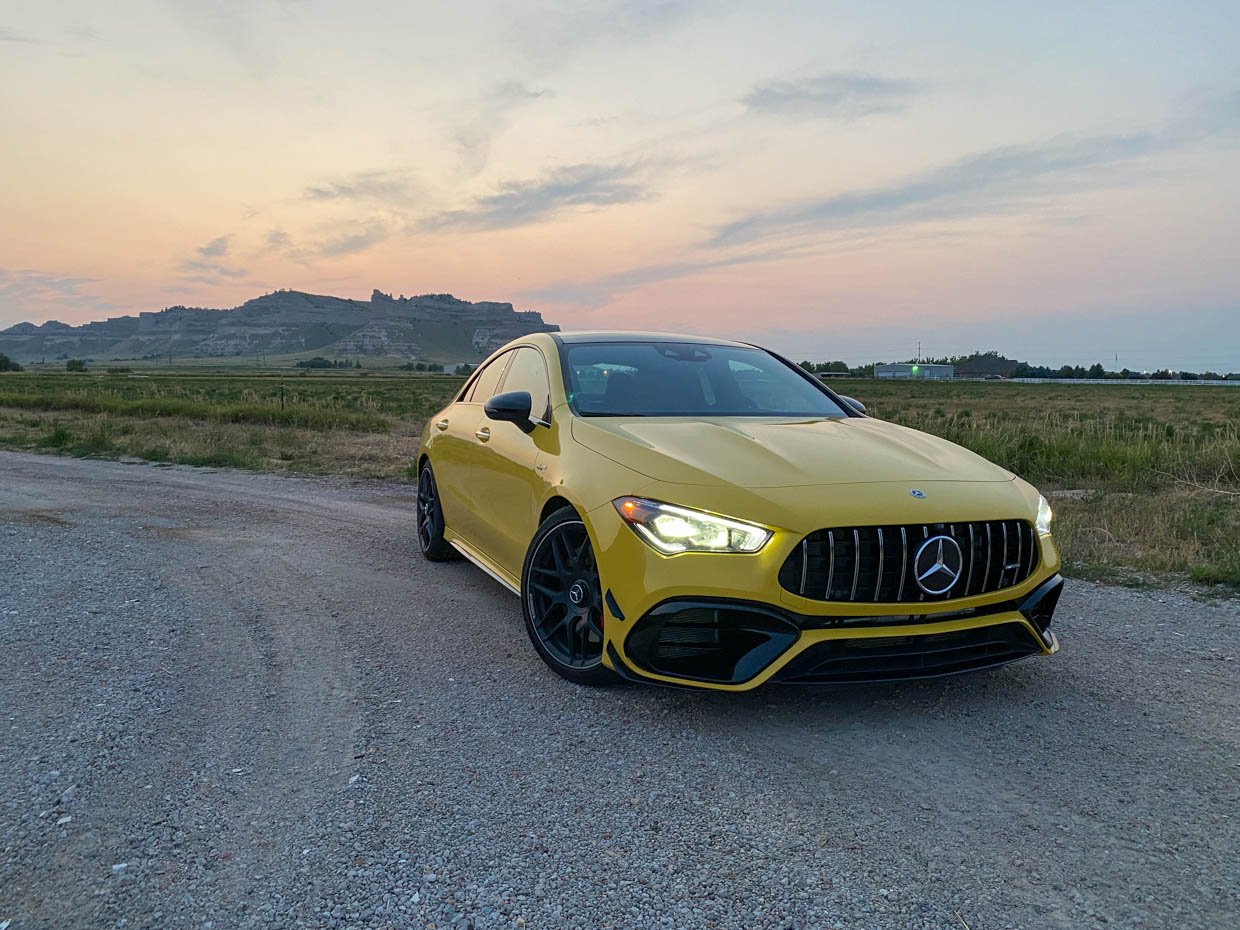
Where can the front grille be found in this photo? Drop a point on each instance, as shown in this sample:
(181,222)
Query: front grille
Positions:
(892,658)
(875,564)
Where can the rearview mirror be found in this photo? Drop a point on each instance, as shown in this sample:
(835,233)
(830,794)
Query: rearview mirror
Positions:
(854,403)
(511,407)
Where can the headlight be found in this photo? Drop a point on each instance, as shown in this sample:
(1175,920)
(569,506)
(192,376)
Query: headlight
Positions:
(1045,515)
(671,529)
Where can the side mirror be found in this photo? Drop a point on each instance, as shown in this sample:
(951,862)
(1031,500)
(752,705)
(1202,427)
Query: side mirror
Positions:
(511,407)
(854,403)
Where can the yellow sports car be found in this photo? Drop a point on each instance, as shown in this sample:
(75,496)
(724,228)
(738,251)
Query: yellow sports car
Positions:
(696,512)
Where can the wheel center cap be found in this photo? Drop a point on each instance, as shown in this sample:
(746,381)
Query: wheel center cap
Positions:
(578,593)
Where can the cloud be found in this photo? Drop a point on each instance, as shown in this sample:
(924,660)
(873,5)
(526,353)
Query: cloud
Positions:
(489,117)
(239,27)
(989,182)
(371,234)
(383,187)
(336,239)
(555,32)
(206,268)
(12,35)
(30,294)
(597,291)
(996,181)
(836,95)
(210,272)
(522,203)
(215,248)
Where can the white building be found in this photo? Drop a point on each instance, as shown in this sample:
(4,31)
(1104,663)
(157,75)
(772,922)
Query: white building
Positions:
(915,370)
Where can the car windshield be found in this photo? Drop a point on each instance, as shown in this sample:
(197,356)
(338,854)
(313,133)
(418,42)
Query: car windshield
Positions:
(680,379)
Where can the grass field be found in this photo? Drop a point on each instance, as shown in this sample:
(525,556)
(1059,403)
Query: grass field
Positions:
(1145,479)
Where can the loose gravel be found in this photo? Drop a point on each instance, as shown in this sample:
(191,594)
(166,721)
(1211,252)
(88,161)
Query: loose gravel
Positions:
(241,701)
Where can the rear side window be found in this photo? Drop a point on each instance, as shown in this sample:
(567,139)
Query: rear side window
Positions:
(528,372)
(488,380)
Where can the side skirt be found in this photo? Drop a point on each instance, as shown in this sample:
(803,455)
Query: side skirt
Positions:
(481,562)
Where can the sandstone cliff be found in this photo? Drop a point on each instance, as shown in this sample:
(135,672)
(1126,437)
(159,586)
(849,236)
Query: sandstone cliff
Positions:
(431,327)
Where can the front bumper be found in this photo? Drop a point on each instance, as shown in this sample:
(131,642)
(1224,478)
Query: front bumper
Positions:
(738,645)
(722,622)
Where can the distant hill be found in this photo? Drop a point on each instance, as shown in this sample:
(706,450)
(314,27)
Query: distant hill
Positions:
(432,327)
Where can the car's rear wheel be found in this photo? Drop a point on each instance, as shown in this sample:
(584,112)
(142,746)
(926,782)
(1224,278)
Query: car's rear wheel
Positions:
(562,600)
(430,519)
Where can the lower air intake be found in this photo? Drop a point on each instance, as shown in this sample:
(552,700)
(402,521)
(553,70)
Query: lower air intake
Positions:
(892,658)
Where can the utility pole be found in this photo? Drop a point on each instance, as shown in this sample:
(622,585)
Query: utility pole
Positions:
(919,351)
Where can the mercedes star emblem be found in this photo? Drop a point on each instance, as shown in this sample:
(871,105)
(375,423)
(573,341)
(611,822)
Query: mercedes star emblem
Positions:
(938,564)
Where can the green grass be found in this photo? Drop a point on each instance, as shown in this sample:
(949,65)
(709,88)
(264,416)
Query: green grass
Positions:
(311,418)
(1122,437)
(1153,468)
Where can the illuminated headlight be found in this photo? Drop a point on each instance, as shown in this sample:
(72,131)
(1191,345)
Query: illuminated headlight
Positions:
(671,529)
(1045,515)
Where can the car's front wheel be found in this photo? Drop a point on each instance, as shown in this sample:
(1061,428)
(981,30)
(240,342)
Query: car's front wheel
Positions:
(562,600)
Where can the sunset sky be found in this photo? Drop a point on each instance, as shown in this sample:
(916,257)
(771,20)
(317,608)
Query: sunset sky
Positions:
(1059,181)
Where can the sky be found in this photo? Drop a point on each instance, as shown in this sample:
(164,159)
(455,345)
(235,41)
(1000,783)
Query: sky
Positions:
(1057,181)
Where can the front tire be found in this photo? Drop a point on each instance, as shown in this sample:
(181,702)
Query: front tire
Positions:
(430,519)
(562,600)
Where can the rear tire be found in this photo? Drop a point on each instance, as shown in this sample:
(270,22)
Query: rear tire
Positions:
(430,519)
(562,600)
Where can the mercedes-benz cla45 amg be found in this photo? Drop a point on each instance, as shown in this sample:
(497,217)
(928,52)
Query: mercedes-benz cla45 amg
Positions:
(696,512)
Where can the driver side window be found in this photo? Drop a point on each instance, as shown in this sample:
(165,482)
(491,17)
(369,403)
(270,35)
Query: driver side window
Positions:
(488,380)
(528,372)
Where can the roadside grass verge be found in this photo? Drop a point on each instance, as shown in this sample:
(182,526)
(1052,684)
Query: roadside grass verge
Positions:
(309,417)
(181,441)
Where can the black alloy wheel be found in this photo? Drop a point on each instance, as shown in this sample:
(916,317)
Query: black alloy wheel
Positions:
(562,600)
(430,519)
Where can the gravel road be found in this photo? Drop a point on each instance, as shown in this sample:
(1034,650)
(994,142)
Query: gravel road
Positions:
(235,700)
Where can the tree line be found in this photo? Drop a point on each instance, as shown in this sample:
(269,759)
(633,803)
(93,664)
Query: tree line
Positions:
(992,363)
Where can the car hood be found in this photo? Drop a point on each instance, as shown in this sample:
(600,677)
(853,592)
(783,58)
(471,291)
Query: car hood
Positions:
(754,452)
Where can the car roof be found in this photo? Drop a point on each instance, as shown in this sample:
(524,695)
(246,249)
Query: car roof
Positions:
(622,335)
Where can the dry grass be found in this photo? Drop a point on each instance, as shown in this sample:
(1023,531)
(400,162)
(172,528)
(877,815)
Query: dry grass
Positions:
(1152,469)
(178,440)
(1157,466)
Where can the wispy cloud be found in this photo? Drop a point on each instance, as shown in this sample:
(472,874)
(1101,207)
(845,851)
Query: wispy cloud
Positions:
(30,294)
(278,239)
(521,203)
(593,292)
(382,187)
(558,31)
(488,117)
(12,35)
(989,182)
(836,95)
(238,27)
(348,243)
(996,181)
(207,268)
(215,248)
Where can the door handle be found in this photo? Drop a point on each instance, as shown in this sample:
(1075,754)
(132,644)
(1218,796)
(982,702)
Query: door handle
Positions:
(483,433)
(441,424)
